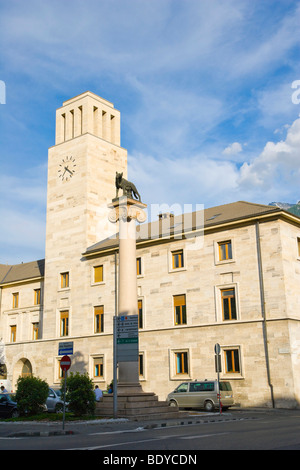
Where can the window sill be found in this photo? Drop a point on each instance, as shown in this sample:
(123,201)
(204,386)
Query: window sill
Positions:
(181,377)
(177,270)
(225,261)
(232,376)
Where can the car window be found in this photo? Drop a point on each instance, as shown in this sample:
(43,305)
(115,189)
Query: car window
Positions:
(195,387)
(182,388)
(202,387)
(225,386)
(3,399)
(51,394)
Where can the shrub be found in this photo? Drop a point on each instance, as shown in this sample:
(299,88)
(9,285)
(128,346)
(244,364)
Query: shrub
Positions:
(80,394)
(31,395)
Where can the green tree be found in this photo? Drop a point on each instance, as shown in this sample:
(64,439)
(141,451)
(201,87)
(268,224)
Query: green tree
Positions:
(31,395)
(80,394)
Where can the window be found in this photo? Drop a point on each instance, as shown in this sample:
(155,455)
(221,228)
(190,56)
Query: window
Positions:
(139,266)
(13,333)
(182,388)
(141,365)
(140,313)
(15,298)
(35,331)
(202,387)
(61,373)
(26,369)
(179,309)
(37,296)
(98,274)
(298,246)
(181,363)
(99,319)
(225,250)
(64,323)
(228,304)
(64,280)
(177,259)
(98,367)
(232,361)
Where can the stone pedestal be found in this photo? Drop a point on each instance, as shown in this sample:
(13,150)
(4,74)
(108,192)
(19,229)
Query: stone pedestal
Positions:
(139,406)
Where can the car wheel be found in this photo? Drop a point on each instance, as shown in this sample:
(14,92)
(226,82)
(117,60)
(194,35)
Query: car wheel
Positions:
(209,406)
(59,408)
(173,403)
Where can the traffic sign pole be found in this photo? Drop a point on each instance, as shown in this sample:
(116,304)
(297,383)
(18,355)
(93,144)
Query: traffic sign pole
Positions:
(65,365)
(218,370)
(115,372)
(64,408)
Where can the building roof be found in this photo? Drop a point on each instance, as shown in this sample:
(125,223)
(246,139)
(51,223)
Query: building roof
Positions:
(21,272)
(208,218)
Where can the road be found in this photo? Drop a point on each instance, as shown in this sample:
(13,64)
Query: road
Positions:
(255,431)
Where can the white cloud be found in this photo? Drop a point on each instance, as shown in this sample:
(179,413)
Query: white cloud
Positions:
(188,180)
(277,169)
(201,179)
(233,149)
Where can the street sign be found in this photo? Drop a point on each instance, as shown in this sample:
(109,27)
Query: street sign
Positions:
(65,363)
(65,348)
(217,348)
(127,338)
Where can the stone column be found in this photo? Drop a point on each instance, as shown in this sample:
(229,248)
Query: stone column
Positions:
(127,211)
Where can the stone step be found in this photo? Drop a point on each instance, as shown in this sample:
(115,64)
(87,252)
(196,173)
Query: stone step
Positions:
(134,410)
(131,398)
(133,405)
(137,407)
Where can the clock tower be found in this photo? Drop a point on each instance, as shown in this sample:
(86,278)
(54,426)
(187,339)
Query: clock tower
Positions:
(81,182)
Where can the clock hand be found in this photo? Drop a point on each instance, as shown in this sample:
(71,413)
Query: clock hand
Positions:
(67,169)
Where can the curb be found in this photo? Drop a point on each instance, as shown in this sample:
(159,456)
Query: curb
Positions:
(195,421)
(150,425)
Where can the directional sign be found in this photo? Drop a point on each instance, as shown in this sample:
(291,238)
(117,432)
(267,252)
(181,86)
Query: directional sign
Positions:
(127,329)
(65,363)
(127,338)
(65,348)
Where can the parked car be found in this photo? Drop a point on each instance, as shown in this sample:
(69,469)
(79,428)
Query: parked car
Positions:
(201,394)
(8,407)
(54,401)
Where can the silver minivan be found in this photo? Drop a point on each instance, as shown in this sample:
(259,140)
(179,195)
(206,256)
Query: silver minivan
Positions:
(202,394)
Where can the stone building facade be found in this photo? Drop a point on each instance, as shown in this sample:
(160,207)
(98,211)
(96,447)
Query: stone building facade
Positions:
(231,279)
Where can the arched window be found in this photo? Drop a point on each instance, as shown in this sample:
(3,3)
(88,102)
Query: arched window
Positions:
(3,372)
(26,369)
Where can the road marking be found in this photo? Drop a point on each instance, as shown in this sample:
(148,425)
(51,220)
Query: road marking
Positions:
(11,438)
(114,445)
(116,432)
(204,435)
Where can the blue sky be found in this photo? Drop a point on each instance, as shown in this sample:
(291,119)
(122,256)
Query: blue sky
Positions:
(208,112)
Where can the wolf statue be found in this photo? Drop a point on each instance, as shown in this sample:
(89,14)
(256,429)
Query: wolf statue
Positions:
(129,189)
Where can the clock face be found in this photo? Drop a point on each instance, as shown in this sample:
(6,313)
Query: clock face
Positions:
(66,168)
